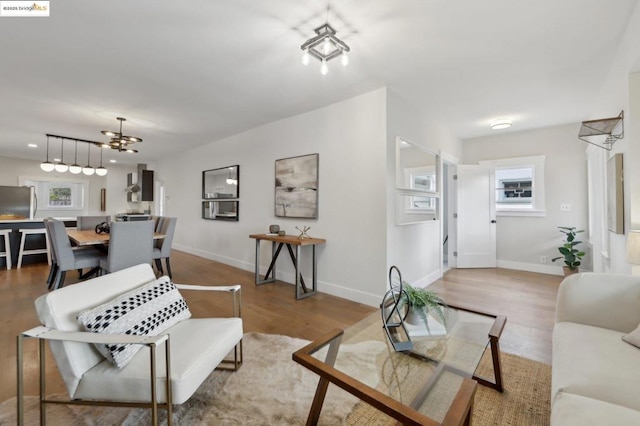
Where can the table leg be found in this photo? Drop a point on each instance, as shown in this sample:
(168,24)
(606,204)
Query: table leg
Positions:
(295,259)
(296,264)
(323,384)
(497,366)
(494,344)
(272,266)
(257,261)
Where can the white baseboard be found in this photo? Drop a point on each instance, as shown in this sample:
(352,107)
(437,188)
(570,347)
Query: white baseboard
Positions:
(531,267)
(289,277)
(428,279)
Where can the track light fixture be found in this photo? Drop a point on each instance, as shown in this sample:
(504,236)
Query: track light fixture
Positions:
(75,168)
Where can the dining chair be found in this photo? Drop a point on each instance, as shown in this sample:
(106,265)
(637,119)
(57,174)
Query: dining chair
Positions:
(130,244)
(90,222)
(54,259)
(68,259)
(162,249)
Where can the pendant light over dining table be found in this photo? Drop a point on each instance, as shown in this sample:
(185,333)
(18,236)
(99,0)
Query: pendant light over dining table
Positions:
(75,168)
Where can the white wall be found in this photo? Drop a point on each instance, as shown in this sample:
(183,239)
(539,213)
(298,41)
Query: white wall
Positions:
(522,240)
(621,91)
(350,139)
(416,248)
(114,182)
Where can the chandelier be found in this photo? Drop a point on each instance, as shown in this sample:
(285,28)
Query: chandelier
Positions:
(324,46)
(119,141)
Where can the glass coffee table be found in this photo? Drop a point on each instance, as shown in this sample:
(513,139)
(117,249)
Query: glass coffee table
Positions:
(433,383)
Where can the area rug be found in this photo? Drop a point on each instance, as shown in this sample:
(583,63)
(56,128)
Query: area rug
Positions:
(526,400)
(271,389)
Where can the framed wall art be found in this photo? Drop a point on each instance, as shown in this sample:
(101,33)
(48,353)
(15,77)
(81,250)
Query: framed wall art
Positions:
(615,194)
(296,187)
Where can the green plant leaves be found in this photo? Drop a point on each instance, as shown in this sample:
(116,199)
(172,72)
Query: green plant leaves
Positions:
(571,255)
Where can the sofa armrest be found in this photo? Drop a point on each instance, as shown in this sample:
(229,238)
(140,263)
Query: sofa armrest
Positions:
(601,300)
(235,290)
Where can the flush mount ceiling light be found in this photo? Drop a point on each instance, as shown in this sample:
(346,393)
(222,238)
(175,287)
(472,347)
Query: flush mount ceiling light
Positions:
(324,46)
(603,132)
(119,141)
(500,123)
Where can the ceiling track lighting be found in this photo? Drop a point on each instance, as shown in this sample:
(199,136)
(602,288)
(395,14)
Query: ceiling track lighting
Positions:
(325,46)
(75,168)
(119,141)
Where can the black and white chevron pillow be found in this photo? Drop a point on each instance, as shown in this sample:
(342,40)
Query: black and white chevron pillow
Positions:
(146,311)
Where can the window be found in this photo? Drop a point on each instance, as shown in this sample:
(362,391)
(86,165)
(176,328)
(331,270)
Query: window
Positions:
(514,185)
(60,196)
(519,185)
(56,195)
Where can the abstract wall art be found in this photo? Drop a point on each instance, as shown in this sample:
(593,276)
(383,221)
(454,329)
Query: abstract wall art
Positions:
(296,191)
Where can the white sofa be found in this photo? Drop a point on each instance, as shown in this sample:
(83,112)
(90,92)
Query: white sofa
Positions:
(595,374)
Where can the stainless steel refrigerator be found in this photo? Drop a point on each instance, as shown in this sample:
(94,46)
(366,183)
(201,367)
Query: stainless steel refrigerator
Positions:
(17,202)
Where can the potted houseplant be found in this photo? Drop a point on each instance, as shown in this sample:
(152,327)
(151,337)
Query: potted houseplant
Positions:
(422,303)
(571,255)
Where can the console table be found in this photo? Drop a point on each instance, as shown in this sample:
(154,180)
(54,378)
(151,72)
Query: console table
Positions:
(277,242)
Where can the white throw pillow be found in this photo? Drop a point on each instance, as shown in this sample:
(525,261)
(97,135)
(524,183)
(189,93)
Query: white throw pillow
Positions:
(146,311)
(633,338)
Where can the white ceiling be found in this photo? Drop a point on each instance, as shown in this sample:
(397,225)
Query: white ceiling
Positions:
(187,73)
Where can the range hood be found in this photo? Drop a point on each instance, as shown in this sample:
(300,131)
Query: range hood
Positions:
(140,185)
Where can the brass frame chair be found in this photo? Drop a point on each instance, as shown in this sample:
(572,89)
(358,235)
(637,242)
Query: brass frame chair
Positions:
(159,396)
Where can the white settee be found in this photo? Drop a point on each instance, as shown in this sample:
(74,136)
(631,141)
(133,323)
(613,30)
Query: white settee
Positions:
(595,374)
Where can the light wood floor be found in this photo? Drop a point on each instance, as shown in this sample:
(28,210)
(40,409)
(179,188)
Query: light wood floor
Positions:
(528,300)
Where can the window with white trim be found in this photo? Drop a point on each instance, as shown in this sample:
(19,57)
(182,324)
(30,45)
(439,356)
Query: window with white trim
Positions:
(519,185)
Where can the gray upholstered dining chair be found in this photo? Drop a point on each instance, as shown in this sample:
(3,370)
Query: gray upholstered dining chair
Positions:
(162,248)
(90,222)
(67,259)
(130,244)
(54,259)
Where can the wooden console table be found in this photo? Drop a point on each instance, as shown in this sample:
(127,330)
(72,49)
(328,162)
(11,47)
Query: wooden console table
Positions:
(277,242)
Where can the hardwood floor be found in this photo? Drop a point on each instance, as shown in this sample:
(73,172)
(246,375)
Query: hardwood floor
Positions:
(528,300)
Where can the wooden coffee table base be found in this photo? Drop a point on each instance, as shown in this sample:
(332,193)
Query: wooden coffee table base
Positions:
(459,413)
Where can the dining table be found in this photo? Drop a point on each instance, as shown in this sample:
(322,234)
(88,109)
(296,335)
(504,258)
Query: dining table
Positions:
(89,237)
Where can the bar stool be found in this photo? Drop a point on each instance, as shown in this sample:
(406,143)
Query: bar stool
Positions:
(7,247)
(24,252)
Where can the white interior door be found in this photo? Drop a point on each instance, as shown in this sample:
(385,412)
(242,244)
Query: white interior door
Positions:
(476,217)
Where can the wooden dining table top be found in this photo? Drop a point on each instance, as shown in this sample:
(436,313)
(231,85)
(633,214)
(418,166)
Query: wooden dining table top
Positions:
(89,237)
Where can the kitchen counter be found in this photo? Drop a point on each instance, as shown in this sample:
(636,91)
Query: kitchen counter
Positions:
(34,241)
(64,219)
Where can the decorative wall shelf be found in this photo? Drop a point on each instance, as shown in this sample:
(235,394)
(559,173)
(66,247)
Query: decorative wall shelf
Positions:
(603,132)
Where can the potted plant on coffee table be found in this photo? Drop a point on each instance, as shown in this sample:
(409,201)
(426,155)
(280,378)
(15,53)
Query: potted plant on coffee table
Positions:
(422,303)
(571,255)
